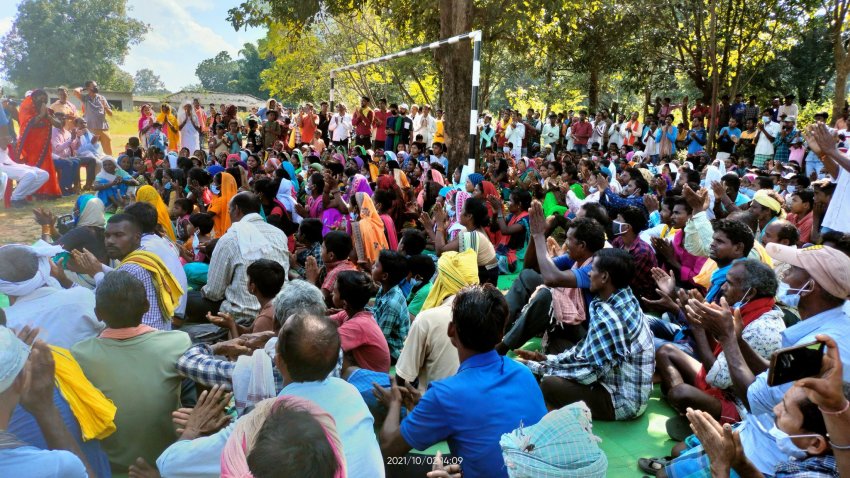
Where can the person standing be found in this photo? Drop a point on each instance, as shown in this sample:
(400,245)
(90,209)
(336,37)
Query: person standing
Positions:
(190,128)
(362,121)
(307,124)
(440,131)
(324,121)
(380,124)
(340,127)
(515,133)
(202,121)
(95,110)
(34,148)
(62,105)
(551,132)
(170,127)
(580,132)
(768,130)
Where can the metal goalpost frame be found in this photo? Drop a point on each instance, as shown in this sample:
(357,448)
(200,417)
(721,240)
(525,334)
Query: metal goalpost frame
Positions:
(475,37)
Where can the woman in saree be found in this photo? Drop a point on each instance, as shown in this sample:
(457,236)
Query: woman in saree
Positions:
(429,178)
(34,146)
(484,191)
(357,184)
(367,231)
(149,195)
(528,174)
(225,185)
(170,126)
(397,212)
(111,184)
(383,200)
(145,123)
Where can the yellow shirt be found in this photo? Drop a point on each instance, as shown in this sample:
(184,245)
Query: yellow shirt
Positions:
(440,136)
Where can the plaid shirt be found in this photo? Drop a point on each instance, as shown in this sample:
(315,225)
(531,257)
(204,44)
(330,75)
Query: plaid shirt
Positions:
(618,353)
(153,317)
(642,283)
(782,145)
(751,112)
(200,364)
(811,467)
(390,311)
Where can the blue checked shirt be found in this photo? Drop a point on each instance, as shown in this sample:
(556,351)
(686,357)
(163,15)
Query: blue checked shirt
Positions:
(618,353)
(811,467)
(390,311)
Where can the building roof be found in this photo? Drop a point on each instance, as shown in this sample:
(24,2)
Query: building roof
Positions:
(207,97)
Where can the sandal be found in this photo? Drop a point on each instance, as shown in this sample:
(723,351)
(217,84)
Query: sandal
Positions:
(652,466)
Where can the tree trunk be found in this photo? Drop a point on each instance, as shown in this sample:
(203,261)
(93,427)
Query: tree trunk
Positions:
(593,90)
(715,78)
(841,74)
(647,97)
(456,63)
(842,56)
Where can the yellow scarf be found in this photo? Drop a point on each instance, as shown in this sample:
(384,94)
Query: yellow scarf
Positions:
(456,270)
(169,290)
(149,195)
(89,405)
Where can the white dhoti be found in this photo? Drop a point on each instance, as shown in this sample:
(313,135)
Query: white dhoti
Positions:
(29,178)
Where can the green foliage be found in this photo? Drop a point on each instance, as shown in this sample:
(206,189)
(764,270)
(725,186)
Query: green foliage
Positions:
(806,115)
(64,42)
(242,75)
(146,82)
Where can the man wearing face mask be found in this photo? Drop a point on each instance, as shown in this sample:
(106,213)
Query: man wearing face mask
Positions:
(629,223)
(767,132)
(818,283)
(95,110)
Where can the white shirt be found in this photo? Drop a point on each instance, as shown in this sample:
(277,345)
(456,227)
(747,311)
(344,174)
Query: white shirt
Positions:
(166,251)
(788,110)
(614,135)
(428,352)
(515,134)
(764,145)
(340,127)
(65,316)
(550,133)
(838,213)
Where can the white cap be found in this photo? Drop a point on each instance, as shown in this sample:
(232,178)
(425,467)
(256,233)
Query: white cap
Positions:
(13,357)
(403,106)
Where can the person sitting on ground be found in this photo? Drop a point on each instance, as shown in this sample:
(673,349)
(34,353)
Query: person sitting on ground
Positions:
(309,244)
(513,229)
(818,284)
(123,237)
(165,250)
(336,247)
(630,222)
(362,339)
(422,270)
(704,384)
(134,366)
(306,353)
(265,279)
(201,226)
(285,436)
(26,377)
(611,368)
(673,253)
(428,353)
(390,304)
(558,310)
(782,232)
(478,404)
(64,316)
(249,238)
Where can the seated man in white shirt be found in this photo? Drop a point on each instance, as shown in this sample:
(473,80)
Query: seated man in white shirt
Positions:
(65,316)
(28,178)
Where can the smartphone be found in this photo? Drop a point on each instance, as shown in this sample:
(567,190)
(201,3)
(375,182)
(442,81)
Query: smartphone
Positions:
(793,363)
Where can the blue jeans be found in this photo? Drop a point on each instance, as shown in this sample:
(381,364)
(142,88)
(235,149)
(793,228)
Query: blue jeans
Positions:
(813,165)
(666,332)
(69,172)
(580,148)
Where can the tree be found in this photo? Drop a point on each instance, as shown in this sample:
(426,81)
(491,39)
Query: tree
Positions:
(119,80)
(251,65)
(456,65)
(146,82)
(56,42)
(216,73)
(838,29)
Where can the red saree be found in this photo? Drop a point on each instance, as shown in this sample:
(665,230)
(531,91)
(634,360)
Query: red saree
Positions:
(34,147)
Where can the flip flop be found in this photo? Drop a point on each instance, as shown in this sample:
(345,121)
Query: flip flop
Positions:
(679,428)
(652,466)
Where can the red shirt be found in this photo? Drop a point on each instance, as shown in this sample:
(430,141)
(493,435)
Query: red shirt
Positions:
(362,336)
(380,124)
(363,123)
(582,131)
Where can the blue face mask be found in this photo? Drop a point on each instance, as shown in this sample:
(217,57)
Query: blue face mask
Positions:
(786,445)
(167,186)
(415,282)
(741,303)
(791,297)
(791,189)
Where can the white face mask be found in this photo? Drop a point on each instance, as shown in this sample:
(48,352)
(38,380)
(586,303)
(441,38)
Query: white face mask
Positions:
(791,296)
(620,228)
(786,445)
(765,119)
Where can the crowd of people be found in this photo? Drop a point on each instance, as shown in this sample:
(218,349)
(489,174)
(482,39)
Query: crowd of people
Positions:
(301,293)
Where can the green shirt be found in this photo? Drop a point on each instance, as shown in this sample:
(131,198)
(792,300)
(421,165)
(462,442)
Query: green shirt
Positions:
(139,375)
(417,300)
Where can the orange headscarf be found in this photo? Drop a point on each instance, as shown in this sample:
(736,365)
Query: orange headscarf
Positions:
(368,232)
(149,195)
(220,206)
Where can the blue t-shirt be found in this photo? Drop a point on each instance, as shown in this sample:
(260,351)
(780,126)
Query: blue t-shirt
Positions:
(490,395)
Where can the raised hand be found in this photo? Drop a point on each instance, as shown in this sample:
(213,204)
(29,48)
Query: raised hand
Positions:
(536,219)
(44,217)
(39,395)
(650,202)
(206,418)
(698,200)
(223,320)
(826,390)
(311,267)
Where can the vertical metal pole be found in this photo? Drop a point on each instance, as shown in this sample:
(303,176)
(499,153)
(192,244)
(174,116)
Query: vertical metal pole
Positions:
(331,99)
(476,76)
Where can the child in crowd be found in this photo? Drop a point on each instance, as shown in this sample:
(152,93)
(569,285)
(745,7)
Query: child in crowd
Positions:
(156,138)
(265,279)
(197,233)
(360,336)
(336,249)
(390,304)
(422,270)
(309,244)
(180,212)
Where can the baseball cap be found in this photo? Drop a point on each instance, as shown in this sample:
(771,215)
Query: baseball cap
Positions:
(790,119)
(829,267)
(403,106)
(13,357)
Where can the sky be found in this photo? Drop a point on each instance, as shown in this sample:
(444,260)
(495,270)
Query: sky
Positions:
(205,21)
